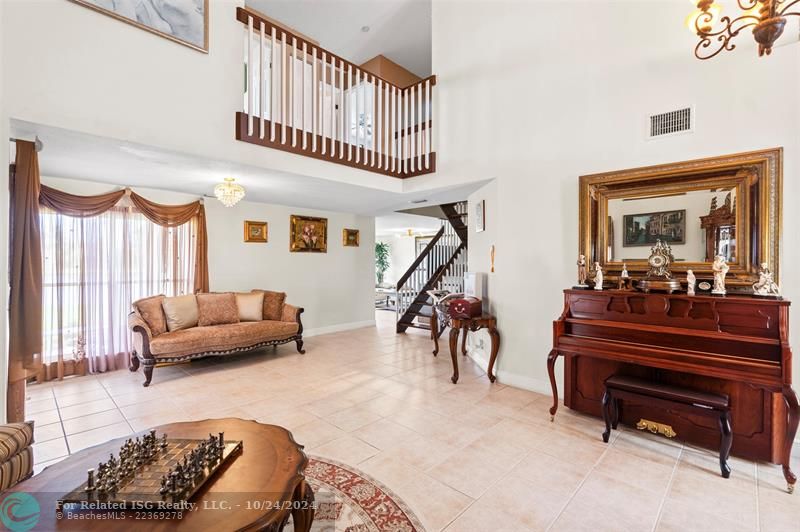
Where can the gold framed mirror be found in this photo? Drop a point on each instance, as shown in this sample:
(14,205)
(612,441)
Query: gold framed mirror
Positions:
(727,205)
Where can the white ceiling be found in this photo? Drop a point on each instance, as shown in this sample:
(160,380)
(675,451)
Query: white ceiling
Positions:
(75,155)
(399,29)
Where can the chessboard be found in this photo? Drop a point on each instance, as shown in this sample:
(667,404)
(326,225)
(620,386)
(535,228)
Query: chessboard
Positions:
(148,483)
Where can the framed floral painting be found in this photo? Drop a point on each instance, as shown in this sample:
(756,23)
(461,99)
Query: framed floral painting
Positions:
(308,234)
(255,231)
(351,237)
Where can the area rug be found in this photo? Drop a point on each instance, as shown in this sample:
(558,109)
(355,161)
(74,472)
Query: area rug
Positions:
(351,501)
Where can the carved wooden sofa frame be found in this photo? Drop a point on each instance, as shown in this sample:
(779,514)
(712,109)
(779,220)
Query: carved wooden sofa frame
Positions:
(148,361)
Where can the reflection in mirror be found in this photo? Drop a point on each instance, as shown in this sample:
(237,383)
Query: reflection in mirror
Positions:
(697,224)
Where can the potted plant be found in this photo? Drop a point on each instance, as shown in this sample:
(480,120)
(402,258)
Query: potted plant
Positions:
(381,260)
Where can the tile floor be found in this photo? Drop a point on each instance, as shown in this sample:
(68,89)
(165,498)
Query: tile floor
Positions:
(468,457)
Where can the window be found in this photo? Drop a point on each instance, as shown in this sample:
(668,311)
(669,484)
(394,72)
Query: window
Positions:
(95,267)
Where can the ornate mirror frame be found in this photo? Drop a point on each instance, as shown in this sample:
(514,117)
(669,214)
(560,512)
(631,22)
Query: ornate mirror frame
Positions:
(757,177)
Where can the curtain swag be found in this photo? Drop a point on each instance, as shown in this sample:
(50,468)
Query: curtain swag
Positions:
(164,215)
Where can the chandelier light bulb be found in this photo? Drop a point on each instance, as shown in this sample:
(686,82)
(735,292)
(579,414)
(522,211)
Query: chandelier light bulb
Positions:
(229,193)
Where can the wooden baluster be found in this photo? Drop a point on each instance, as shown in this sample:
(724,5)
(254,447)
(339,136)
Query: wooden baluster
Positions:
(292,96)
(405,148)
(262,81)
(322,104)
(272,78)
(348,120)
(359,113)
(284,82)
(377,134)
(314,92)
(251,97)
(400,162)
(393,117)
(428,124)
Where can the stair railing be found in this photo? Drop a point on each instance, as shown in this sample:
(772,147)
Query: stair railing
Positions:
(302,98)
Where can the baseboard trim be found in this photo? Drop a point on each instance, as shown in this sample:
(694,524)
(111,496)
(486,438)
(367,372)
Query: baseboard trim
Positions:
(338,328)
(513,379)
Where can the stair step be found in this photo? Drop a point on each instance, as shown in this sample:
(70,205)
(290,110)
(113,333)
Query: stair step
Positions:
(419,326)
(426,313)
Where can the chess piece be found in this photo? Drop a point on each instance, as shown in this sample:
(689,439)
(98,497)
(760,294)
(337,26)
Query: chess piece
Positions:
(766,285)
(583,274)
(598,276)
(720,269)
(90,480)
(691,280)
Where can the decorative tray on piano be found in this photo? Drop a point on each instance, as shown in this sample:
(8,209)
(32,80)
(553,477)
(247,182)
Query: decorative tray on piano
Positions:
(152,473)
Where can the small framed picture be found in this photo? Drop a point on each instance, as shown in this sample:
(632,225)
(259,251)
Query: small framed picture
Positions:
(480,216)
(255,231)
(350,237)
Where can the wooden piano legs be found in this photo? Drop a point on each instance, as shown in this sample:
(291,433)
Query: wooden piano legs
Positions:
(725,443)
(551,371)
(793,410)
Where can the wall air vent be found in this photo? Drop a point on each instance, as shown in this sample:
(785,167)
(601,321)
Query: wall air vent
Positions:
(671,123)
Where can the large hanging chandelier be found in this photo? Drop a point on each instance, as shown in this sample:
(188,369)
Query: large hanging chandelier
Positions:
(229,193)
(767,19)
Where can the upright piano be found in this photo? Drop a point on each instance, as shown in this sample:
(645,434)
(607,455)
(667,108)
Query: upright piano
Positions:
(735,345)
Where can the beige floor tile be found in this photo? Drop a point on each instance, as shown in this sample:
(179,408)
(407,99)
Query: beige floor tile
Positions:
(80,397)
(316,433)
(390,471)
(629,467)
(49,450)
(434,503)
(681,517)
(473,469)
(353,418)
(84,409)
(421,452)
(42,433)
(45,417)
(348,450)
(40,405)
(384,434)
(92,421)
(82,440)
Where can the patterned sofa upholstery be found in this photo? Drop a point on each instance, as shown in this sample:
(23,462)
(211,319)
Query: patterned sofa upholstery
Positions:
(154,345)
(16,453)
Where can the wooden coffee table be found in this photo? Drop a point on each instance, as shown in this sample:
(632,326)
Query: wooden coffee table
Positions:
(258,490)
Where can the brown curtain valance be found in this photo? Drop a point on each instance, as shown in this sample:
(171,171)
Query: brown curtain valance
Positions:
(174,215)
(78,206)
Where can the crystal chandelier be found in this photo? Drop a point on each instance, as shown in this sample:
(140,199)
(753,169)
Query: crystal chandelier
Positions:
(229,193)
(767,19)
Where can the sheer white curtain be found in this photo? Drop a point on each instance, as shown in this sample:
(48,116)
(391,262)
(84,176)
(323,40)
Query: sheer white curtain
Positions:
(94,268)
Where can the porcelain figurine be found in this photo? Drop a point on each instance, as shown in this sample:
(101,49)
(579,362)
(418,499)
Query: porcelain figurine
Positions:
(624,273)
(598,276)
(691,280)
(624,278)
(766,285)
(720,269)
(582,273)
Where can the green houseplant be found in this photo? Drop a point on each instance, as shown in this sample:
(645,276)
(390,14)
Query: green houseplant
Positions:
(381,260)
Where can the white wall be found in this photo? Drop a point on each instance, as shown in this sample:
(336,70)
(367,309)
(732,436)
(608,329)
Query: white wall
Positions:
(335,288)
(402,252)
(84,71)
(4,156)
(537,109)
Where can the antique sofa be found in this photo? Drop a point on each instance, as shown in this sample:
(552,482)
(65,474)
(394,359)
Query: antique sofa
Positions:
(167,330)
(16,453)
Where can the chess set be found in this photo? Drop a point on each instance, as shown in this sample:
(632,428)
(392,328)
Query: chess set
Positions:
(153,472)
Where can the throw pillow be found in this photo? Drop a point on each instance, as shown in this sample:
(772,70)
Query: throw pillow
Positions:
(217,309)
(273,304)
(181,312)
(151,312)
(250,306)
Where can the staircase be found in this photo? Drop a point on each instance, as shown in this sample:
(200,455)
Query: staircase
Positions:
(440,266)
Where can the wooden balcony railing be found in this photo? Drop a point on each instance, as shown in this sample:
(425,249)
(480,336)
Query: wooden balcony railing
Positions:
(301,98)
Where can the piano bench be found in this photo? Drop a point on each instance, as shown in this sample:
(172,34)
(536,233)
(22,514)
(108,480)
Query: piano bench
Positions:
(648,393)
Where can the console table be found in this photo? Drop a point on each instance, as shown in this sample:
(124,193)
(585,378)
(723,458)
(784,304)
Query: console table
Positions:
(471,324)
(256,491)
(736,345)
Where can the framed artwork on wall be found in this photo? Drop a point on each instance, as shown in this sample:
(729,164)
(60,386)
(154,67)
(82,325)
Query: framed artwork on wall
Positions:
(480,216)
(182,21)
(644,229)
(255,231)
(351,237)
(308,234)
